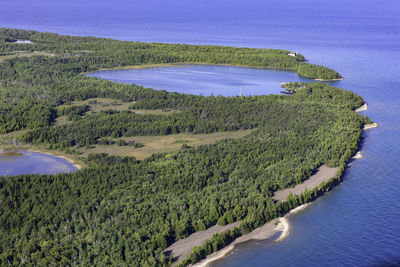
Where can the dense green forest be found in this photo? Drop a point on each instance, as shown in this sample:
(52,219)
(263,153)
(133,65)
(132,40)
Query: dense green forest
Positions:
(121,211)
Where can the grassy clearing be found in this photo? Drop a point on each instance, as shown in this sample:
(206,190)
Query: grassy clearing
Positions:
(62,120)
(160,144)
(25,54)
(154,111)
(100,104)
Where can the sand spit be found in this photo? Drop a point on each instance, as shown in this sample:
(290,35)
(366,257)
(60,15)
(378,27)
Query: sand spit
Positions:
(299,208)
(370,126)
(323,174)
(364,107)
(284,227)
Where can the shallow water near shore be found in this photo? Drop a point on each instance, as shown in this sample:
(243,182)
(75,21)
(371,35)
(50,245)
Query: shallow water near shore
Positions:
(25,162)
(356,224)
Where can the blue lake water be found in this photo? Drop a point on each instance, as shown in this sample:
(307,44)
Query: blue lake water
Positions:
(358,222)
(205,79)
(33,163)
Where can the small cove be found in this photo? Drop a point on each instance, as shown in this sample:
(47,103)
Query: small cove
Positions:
(25,162)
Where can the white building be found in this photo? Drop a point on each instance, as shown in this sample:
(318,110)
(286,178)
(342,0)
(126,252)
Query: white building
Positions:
(24,42)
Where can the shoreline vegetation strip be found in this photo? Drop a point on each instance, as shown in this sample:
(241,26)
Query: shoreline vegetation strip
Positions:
(279,226)
(181,248)
(266,231)
(122,211)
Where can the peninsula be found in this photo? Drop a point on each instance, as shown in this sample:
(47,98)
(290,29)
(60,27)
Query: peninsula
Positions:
(158,166)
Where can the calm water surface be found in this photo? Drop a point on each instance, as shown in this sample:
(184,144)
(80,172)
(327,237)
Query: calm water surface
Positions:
(33,163)
(205,79)
(357,224)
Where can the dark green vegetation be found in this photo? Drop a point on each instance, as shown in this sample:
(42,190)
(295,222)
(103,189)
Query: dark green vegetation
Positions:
(316,71)
(120,211)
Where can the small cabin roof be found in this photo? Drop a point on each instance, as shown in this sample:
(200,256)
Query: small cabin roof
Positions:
(24,42)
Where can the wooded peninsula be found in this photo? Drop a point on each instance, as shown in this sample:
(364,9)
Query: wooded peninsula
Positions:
(125,210)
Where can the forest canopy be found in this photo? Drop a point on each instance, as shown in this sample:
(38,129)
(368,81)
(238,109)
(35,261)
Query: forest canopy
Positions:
(122,211)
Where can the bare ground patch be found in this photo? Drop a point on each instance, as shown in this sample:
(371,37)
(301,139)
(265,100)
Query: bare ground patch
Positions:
(323,174)
(25,54)
(181,249)
(62,120)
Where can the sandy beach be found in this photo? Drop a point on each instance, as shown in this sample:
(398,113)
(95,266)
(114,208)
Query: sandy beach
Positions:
(370,126)
(266,231)
(281,225)
(183,247)
(77,166)
(364,107)
(328,80)
(73,162)
(269,230)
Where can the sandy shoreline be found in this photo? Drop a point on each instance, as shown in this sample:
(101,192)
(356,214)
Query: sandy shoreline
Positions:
(73,162)
(266,231)
(282,224)
(364,107)
(182,248)
(370,126)
(269,230)
(328,80)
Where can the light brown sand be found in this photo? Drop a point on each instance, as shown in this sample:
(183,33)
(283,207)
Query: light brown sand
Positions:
(182,248)
(370,126)
(264,232)
(73,162)
(268,230)
(328,80)
(362,108)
